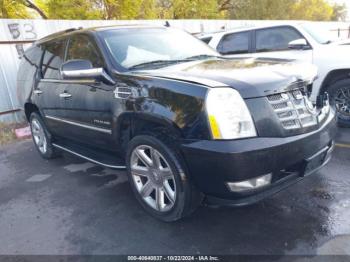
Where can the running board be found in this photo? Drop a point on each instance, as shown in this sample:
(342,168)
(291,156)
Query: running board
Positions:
(102,159)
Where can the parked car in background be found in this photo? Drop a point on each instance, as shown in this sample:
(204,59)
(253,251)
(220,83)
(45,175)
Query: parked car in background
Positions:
(305,41)
(183,121)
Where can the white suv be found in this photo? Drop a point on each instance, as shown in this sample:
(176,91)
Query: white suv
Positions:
(304,41)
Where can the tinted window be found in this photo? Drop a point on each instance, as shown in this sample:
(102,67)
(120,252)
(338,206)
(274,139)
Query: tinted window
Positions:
(27,71)
(53,58)
(236,43)
(275,39)
(81,47)
(136,46)
(30,63)
(206,39)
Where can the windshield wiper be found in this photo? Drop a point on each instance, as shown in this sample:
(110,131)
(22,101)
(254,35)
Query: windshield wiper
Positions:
(203,56)
(158,62)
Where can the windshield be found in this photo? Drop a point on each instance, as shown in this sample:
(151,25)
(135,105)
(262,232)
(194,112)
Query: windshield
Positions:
(144,46)
(319,33)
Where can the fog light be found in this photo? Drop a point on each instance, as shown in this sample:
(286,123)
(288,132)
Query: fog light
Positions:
(250,184)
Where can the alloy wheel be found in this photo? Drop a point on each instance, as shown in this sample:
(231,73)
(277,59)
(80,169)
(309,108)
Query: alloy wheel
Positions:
(342,101)
(39,135)
(153,178)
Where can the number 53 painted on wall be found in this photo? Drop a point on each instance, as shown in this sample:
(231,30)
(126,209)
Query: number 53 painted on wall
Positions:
(24,31)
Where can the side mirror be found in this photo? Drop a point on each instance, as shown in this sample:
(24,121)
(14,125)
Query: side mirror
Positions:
(83,69)
(298,44)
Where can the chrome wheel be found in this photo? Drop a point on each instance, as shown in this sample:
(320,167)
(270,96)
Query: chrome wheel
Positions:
(153,178)
(342,101)
(39,135)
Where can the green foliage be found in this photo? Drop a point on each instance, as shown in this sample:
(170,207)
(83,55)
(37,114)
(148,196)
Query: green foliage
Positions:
(317,10)
(14,9)
(72,9)
(174,9)
(195,9)
(261,9)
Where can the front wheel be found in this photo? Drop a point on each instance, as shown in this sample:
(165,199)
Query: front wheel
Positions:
(159,179)
(340,99)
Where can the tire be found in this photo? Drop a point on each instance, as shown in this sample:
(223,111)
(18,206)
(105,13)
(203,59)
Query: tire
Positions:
(178,196)
(336,95)
(41,137)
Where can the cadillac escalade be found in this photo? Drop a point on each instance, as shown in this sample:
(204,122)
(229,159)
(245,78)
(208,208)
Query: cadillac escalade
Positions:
(187,124)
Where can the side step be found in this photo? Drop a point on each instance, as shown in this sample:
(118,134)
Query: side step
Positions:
(101,158)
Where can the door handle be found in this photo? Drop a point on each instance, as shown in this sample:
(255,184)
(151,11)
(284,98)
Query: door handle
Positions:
(37,91)
(65,95)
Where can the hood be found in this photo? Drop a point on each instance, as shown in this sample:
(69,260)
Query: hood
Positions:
(252,77)
(342,42)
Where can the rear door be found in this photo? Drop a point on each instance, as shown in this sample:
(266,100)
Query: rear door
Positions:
(88,103)
(50,87)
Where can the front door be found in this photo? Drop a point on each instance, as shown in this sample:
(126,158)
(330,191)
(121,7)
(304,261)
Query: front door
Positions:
(88,103)
(273,42)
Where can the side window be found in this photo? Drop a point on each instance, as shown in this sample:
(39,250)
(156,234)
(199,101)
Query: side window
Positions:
(53,58)
(275,39)
(81,47)
(236,43)
(206,39)
(30,63)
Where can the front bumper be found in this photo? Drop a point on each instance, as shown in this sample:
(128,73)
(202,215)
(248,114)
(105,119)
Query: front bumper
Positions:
(214,163)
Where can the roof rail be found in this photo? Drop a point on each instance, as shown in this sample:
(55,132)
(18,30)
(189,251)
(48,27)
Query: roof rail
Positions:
(71,29)
(45,38)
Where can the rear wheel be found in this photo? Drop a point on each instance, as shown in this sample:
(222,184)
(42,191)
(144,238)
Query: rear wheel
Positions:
(159,179)
(41,137)
(340,99)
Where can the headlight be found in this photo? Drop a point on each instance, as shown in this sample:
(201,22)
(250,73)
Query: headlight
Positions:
(228,115)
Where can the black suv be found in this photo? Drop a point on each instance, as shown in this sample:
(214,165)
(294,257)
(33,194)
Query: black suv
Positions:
(186,124)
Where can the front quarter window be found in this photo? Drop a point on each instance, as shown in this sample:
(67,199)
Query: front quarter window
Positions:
(135,46)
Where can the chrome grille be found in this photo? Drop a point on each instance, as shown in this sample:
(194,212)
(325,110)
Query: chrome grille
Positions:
(292,109)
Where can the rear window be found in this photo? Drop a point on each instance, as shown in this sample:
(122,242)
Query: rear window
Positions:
(236,43)
(28,68)
(30,63)
(53,59)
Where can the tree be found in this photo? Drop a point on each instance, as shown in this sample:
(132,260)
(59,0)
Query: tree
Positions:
(174,9)
(194,9)
(339,12)
(73,9)
(20,9)
(130,9)
(261,9)
(317,10)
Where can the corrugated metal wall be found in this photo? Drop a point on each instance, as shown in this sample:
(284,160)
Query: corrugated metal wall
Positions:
(16,36)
